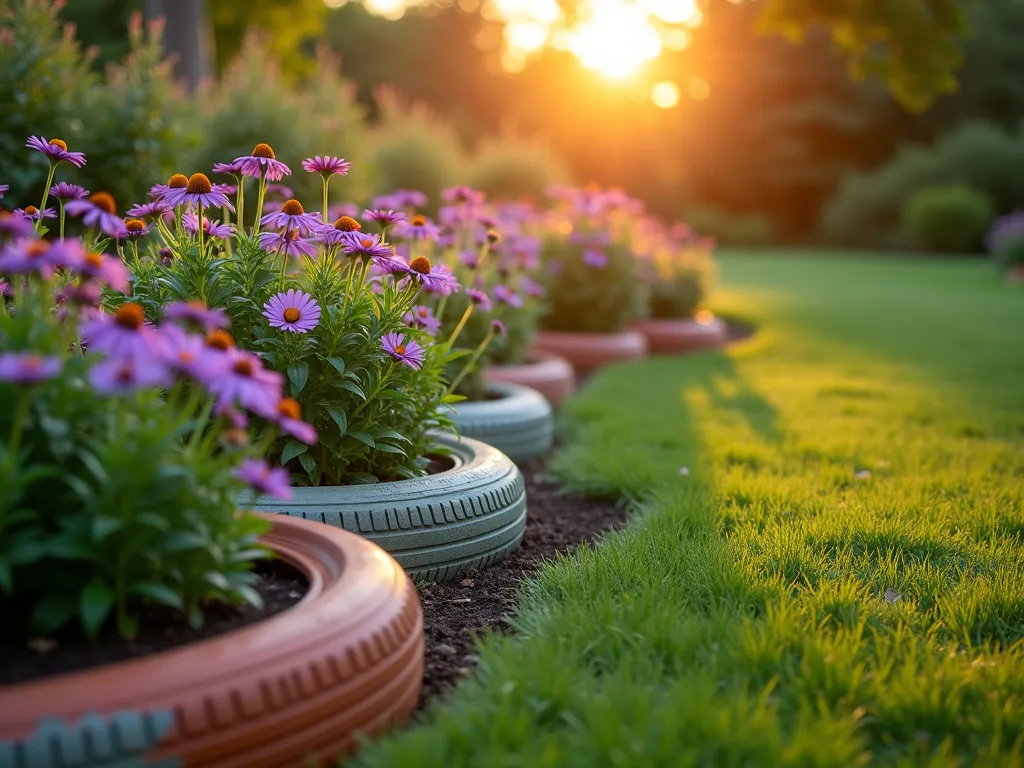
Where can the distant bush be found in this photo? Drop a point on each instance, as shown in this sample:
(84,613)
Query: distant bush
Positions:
(868,208)
(741,229)
(253,102)
(509,167)
(412,148)
(947,219)
(128,123)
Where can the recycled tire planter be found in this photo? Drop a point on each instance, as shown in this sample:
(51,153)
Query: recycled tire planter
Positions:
(518,421)
(347,659)
(677,336)
(437,526)
(550,375)
(587,352)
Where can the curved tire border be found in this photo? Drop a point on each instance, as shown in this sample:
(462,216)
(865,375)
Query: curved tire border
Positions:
(303,684)
(437,526)
(519,423)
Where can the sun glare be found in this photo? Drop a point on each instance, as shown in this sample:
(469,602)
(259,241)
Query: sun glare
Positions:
(616,39)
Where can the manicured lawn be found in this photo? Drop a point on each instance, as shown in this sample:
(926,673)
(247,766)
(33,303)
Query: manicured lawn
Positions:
(869,440)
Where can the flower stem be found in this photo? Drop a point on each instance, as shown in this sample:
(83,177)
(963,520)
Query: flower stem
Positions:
(61,203)
(327,182)
(46,195)
(472,361)
(200,230)
(259,202)
(461,325)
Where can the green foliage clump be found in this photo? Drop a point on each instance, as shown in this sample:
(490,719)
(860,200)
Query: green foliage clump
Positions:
(512,168)
(588,299)
(867,209)
(127,123)
(740,229)
(253,102)
(411,148)
(947,219)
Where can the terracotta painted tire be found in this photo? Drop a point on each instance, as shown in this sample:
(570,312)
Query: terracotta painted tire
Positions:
(673,337)
(587,352)
(550,375)
(436,526)
(298,686)
(520,423)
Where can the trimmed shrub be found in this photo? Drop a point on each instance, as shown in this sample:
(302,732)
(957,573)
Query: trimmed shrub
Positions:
(510,167)
(947,219)
(867,210)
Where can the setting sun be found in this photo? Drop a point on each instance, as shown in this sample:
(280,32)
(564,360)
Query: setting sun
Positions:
(617,39)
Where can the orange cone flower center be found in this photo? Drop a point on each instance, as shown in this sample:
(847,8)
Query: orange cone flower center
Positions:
(59,143)
(243,367)
(420,264)
(130,316)
(199,184)
(104,201)
(264,150)
(219,340)
(134,225)
(400,349)
(347,224)
(178,181)
(418,221)
(291,315)
(289,409)
(292,208)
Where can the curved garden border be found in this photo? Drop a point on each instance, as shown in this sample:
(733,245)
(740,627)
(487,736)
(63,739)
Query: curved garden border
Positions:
(436,526)
(550,375)
(677,336)
(587,352)
(346,659)
(518,422)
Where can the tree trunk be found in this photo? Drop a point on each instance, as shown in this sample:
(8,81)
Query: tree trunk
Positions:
(187,37)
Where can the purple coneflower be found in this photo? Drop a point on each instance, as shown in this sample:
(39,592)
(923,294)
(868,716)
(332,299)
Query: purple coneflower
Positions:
(506,295)
(470,259)
(40,257)
(293,311)
(289,418)
(153,209)
(261,477)
(531,288)
(85,294)
(190,222)
(226,189)
(99,211)
(418,228)
(28,368)
(234,168)
(422,317)
(383,217)
(124,337)
(327,166)
(121,376)
(498,327)
(438,279)
(64,191)
(247,383)
(343,231)
(462,195)
(480,298)
(409,352)
(195,312)
(56,151)
(369,246)
(410,198)
(292,216)
(4,189)
(173,192)
(287,243)
(200,193)
(594,259)
(189,355)
(343,209)
(106,270)
(32,213)
(263,163)
(134,229)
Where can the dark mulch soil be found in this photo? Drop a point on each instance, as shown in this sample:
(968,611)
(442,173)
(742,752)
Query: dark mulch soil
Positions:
(280,585)
(456,613)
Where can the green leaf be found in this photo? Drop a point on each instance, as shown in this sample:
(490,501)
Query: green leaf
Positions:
(340,418)
(362,437)
(216,579)
(451,399)
(6,577)
(161,593)
(309,464)
(363,478)
(338,363)
(182,541)
(250,595)
(391,434)
(292,449)
(94,605)
(53,612)
(389,448)
(352,387)
(298,374)
(104,526)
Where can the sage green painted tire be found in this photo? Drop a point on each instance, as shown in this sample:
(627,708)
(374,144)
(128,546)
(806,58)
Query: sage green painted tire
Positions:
(437,526)
(519,423)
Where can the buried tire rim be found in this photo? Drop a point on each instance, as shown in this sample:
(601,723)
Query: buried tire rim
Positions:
(518,422)
(587,352)
(437,526)
(550,375)
(675,336)
(301,685)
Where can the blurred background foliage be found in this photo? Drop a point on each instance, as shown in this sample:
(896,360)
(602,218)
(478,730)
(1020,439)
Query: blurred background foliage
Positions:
(772,139)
